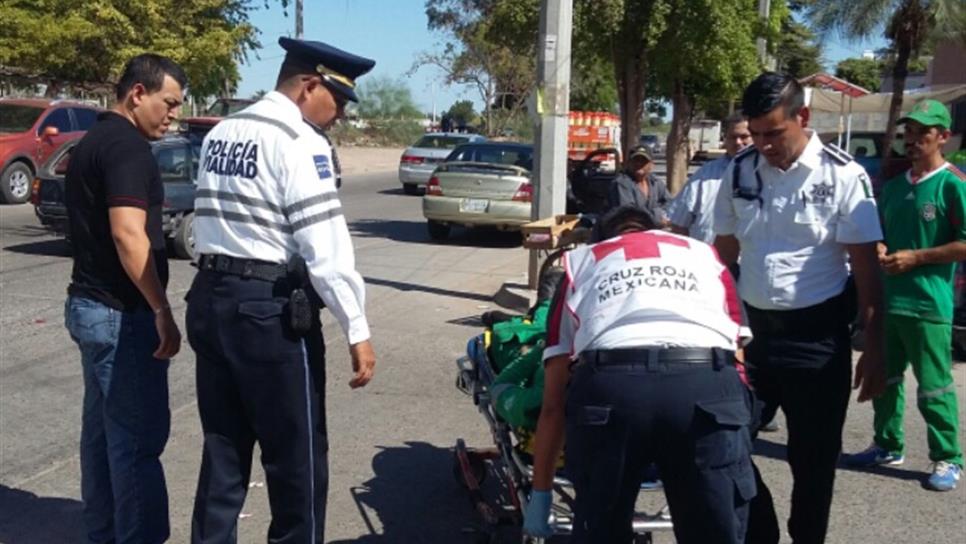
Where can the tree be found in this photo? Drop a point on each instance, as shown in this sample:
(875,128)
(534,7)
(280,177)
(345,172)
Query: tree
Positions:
(706,58)
(462,112)
(908,24)
(866,73)
(474,53)
(795,50)
(386,98)
(69,43)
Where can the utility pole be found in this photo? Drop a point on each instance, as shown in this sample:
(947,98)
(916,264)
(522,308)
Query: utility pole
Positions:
(553,107)
(298,19)
(764,8)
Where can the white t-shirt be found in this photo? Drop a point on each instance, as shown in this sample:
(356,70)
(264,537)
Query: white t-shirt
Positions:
(644,289)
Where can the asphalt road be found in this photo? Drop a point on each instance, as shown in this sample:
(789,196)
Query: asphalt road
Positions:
(390,455)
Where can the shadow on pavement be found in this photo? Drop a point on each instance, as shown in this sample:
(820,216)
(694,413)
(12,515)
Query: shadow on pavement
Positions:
(401,286)
(415,232)
(774,450)
(412,498)
(26,518)
(46,248)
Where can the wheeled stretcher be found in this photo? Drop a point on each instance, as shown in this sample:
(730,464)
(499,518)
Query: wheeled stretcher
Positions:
(509,461)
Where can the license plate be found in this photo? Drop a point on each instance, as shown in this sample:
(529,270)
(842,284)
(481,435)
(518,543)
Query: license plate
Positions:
(474,205)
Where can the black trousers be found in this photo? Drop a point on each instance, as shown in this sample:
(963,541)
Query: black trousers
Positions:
(257,382)
(806,370)
(689,418)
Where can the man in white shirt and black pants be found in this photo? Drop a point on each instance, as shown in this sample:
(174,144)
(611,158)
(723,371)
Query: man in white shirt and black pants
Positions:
(800,213)
(267,197)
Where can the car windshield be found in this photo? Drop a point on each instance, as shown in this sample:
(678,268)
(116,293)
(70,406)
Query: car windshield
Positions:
(492,154)
(440,142)
(17,118)
(648,139)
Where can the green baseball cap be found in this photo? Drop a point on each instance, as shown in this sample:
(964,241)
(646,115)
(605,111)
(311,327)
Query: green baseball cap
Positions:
(931,113)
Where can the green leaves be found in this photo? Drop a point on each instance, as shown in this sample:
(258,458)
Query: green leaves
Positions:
(79,43)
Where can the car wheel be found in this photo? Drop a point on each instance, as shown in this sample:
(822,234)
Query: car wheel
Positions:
(184,238)
(410,188)
(15,183)
(438,231)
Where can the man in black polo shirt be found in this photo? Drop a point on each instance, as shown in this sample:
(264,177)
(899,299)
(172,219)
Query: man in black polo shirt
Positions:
(117,311)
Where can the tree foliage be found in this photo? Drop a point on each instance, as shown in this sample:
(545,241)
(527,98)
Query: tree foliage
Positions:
(705,61)
(72,43)
(909,25)
(796,50)
(386,98)
(863,72)
(462,112)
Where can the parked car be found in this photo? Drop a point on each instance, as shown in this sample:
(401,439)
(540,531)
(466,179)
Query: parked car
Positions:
(420,159)
(30,130)
(480,184)
(655,146)
(177,158)
(867,150)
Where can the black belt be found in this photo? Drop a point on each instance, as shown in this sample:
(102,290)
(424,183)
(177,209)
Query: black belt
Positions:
(246,268)
(820,319)
(628,356)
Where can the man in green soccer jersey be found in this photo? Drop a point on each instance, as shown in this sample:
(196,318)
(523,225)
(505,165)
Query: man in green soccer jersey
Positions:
(925,237)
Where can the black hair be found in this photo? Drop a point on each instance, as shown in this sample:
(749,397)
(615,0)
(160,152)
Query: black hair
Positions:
(734,119)
(771,90)
(623,219)
(149,70)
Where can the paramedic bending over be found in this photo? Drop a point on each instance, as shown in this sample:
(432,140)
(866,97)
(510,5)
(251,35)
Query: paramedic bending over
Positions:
(643,327)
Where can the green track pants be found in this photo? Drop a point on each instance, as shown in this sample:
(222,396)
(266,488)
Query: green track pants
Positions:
(925,345)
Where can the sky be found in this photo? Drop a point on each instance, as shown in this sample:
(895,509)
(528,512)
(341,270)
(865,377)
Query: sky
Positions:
(393,32)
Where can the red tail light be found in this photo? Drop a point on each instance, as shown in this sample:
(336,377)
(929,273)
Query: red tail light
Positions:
(524,192)
(35,192)
(433,188)
(410,159)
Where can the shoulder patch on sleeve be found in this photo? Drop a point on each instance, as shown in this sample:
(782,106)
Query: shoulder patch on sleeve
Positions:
(837,154)
(323,166)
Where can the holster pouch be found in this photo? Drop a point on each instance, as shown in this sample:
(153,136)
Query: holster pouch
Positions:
(300,312)
(302,302)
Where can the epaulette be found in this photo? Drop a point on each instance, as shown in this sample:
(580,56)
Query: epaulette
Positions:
(837,154)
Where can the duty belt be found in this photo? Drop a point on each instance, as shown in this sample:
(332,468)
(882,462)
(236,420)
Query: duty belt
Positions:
(246,268)
(646,356)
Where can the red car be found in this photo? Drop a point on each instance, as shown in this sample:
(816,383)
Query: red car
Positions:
(30,130)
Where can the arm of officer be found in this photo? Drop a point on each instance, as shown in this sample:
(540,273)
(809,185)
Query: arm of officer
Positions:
(319,227)
(679,211)
(725,222)
(859,230)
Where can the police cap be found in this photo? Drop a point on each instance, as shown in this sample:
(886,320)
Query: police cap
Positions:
(338,68)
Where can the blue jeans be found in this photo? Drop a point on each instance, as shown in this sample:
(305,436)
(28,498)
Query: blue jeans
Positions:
(125,423)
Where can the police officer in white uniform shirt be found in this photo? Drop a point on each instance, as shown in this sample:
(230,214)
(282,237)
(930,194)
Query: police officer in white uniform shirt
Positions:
(799,213)
(640,369)
(273,246)
(692,210)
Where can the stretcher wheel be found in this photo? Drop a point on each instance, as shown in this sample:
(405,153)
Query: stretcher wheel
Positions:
(477,469)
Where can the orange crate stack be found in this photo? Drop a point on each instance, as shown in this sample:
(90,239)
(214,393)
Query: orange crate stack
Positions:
(590,130)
